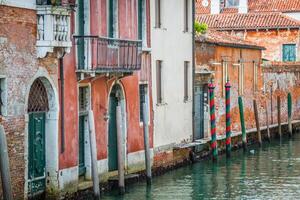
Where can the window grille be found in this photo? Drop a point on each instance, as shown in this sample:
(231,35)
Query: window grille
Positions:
(38,99)
(143,99)
(83,99)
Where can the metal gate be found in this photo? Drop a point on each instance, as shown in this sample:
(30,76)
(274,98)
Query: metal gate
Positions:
(37,108)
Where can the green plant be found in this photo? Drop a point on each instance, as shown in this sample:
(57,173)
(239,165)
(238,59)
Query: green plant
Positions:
(201,28)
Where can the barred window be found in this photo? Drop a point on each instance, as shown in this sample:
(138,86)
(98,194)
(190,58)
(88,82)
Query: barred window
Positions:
(143,89)
(84,100)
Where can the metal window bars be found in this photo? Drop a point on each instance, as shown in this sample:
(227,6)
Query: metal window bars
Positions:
(103,54)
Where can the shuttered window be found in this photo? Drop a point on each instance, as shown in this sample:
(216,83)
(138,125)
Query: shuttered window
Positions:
(232,3)
(186,80)
(159,81)
(84,98)
(255,77)
(158,13)
(143,89)
(112,18)
(142,22)
(225,75)
(241,78)
(289,52)
(186,15)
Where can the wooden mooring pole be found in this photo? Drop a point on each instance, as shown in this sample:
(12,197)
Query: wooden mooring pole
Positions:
(289,101)
(93,147)
(242,119)
(257,122)
(228,120)
(213,133)
(279,116)
(267,121)
(121,170)
(4,167)
(146,144)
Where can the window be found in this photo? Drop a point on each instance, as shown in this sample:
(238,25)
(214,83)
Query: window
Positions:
(186,15)
(225,75)
(158,13)
(241,78)
(232,3)
(159,81)
(142,22)
(112,18)
(144,98)
(84,104)
(186,80)
(2,96)
(255,66)
(289,52)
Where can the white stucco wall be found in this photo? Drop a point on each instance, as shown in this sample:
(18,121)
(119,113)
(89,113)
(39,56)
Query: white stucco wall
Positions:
(295,15)
(173,46)
(30,4)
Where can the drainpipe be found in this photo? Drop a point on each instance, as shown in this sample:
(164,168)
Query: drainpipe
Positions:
(193,63)
(62,103)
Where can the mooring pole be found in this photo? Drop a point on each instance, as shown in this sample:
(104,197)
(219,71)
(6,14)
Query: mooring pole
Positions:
(279,116)
(228,120)
(271,88)
(242,119)
(257,122)
(290,114)
(211,88)
(121,170)
(4,167)
(93,148)
(146,143)
(267,121)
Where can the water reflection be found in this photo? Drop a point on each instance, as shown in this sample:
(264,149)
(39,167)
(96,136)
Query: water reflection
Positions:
(270,172)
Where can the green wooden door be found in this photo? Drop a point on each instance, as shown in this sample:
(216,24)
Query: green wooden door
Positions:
(81,41)
(36,153)
(112,134)
(82,168)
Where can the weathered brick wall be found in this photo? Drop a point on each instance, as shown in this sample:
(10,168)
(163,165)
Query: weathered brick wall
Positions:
(273,40)
(19,63)
(207,54)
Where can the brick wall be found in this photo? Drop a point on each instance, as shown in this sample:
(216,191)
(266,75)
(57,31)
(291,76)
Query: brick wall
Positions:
(19,63)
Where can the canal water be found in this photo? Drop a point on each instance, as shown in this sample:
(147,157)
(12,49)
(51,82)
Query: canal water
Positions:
(272,172)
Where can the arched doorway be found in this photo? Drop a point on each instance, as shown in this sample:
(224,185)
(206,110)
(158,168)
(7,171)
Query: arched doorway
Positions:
(38,106)
(116,98)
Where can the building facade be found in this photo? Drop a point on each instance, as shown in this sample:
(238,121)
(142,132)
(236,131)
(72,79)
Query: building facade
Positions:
(172,57)
(76,57)
(221,58)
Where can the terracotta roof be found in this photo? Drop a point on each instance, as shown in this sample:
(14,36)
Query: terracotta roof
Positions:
(249,21)
(256,6)
(274,5)
(225,39)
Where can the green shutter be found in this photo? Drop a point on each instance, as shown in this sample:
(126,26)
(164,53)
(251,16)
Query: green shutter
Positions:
(112,134)
(80,45)
(111,18)
(140,19)
(289,52)
(81,164)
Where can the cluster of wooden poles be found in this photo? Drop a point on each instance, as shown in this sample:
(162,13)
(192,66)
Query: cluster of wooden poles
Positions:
(214,147)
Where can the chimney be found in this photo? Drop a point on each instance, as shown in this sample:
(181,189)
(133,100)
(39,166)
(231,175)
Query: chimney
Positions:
(243,6)
(215,7)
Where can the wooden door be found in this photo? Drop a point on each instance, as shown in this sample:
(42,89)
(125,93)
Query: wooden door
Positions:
(112,134)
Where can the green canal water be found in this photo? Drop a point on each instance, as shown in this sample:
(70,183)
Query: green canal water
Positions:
(272,172)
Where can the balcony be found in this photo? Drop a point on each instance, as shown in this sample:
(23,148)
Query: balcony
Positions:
(106,55)
(53,29)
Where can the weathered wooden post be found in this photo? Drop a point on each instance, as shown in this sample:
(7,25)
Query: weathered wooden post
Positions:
(93,146)
(267,121)
(290,114)
(257,122)
(228,121)
(4,166)
(121,170)
(211,88)
(242,119)
(279,116)
(146,143)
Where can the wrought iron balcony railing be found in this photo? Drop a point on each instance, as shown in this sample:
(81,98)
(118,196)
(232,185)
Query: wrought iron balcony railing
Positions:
(100,54)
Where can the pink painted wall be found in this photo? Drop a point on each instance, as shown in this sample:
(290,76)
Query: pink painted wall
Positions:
(100,87)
